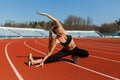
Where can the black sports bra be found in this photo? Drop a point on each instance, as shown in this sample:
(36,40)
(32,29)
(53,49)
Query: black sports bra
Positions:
(69,38)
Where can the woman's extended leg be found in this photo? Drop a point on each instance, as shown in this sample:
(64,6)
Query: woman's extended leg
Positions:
(34,61)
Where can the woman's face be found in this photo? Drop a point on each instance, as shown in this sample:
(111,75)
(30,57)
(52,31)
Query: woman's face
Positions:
(59,33)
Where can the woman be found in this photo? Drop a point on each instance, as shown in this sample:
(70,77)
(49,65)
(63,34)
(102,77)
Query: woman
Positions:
(62,37)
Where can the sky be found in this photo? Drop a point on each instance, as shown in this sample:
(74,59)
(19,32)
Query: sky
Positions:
(21,11)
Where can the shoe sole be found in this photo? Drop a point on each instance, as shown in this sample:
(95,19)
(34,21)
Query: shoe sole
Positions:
(29,62)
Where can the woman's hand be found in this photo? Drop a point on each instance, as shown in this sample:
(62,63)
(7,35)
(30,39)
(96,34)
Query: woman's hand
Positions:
(41,13)
(41,64)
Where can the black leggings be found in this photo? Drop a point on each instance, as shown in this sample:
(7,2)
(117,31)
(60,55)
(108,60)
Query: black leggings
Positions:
(64,52)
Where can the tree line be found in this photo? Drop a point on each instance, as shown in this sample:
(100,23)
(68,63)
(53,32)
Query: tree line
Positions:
(72,22)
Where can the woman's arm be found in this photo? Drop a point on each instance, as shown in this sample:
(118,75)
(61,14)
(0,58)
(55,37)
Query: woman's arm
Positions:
(53,45)
(52,18)
(50,39)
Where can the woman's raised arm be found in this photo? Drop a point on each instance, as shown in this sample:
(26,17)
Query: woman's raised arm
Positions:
(52,18)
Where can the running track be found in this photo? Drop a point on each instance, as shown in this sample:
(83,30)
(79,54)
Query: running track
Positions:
(102,64)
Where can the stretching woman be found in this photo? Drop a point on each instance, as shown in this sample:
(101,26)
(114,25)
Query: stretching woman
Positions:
(62,37)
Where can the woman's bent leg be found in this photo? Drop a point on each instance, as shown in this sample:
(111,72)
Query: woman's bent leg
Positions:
(59,55)
(81,52)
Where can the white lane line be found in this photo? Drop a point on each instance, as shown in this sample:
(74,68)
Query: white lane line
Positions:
(105,59)
(105,75)
(33,48)
(96,72)
(91,50)
(100,51)
(104,47)
(104,44)
(10,62)
(90,55)
(105,52)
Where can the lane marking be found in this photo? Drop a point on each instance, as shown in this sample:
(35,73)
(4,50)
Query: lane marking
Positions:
(105,75)
(104,47)
(101,51)
(92,50)
(90,55)
(98,43)
(105,52)
(10,62)
(105,59)
(33,48)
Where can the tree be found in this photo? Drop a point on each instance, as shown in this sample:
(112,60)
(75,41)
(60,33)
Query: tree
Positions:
(118,22)
(9,23)
(73,22)
(88,21)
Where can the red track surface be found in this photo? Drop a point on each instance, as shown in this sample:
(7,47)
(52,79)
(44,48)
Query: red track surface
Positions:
(102,64)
